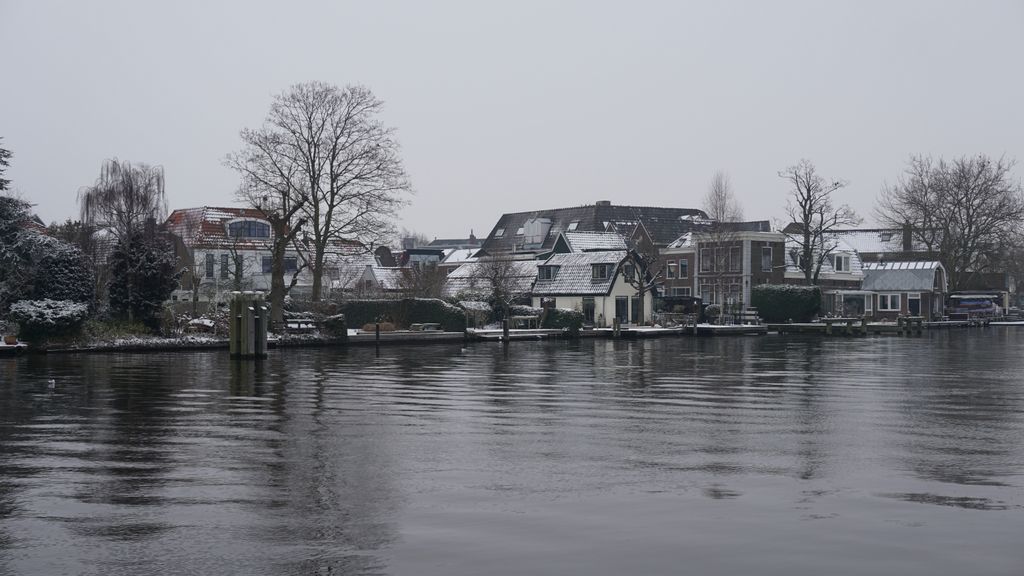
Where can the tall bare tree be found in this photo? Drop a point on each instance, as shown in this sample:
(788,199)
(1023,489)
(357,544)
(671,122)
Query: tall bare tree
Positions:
(720,203)
(814,216)
(330,145)
(969,211)
(271,183)
(505,278)
(719,236)
(643,270)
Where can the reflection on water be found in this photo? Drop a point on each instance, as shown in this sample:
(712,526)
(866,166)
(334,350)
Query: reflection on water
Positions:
(740,455)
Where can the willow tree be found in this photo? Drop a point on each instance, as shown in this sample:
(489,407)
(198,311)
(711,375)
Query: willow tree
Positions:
(327,147)
(124,198)
(126,203)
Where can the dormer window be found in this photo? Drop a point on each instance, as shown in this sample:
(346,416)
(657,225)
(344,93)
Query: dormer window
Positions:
(547,272)
(599,271)
(519,231)
(249,229)
(573,226)
(841,262)
(499,232)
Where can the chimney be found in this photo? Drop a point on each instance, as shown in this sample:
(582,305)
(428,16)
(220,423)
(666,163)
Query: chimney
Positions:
(908,237)
(604,202)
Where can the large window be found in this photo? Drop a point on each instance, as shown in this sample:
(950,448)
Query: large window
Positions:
(291,264)
(684,268)
(249,229)
(268,264)
(841,262)
(224,271)
(888,302)
(681,291)
(766,259)
(670,269)
(735,259)
(705,260)
(209,265)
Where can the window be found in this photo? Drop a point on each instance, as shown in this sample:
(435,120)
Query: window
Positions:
(888,302)
(499,232)
(670,269)
(249,229)
(681,291)
(766,259)
(735,259)
(573,225)
(291,264)
(547,272)
(519,231)
(707,293)
(705,260)
(869,300)
(599,271)
(209,265)
(684,268)
(629,271)
(224,271)
(841,262)
(268,264)
(719,265)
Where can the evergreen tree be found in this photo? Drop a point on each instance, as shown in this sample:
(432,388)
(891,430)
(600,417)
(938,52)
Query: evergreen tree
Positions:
(5,161)
(143,275)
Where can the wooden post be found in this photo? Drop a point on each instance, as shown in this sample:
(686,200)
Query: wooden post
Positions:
(828,327)
(899,325)
(863,325)
(247,328)
(504,330)
(616,327)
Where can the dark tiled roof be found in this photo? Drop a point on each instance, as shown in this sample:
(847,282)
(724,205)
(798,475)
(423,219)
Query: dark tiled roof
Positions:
(663,224)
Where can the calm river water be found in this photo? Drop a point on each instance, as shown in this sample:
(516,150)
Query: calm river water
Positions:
(758,455)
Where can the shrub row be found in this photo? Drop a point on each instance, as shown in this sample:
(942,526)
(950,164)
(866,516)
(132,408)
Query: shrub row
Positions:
(404,312)
(40,320)
(563,318)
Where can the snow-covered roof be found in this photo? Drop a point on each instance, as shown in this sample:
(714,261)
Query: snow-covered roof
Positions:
(884,240)
(902,276)
(455,256)
(838,246)
(574,274)
(389,278)
(590,241)
(469,278)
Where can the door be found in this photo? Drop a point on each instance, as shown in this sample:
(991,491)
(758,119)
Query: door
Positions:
(634,305)
(588,311)
(914,304)
(622,308)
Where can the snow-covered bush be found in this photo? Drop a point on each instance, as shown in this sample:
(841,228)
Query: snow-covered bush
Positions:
(44,319)
(62,273)
(712,312)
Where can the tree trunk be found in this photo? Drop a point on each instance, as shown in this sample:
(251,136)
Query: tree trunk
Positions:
(277,289)
(318,273)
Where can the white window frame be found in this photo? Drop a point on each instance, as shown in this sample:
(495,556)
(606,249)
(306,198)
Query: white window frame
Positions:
(766,251)
(499,232)
(573,225)
(548,272)
(521,231)
(594,269)
(682,291)
(888,300)
(869,303)
(706,263)
(684,268)
(836,258)
(670,270)
(735,264)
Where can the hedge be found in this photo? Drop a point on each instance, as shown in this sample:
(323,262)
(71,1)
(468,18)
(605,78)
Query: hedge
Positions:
(783,303)
(405,311)
(563,318)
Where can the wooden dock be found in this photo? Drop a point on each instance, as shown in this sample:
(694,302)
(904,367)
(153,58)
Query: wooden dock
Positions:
(514,334)
(731,329)
(405,336)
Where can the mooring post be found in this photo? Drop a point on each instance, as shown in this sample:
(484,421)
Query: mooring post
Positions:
(828,327)
(616,327)
(899,325)
(504,330)
(247,330)
(863,325)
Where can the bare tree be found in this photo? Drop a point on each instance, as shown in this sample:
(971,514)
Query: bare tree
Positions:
(327,143)
(425,281)
(643,270)
(814,217)
(124,198)
(720,203)
(504,278)
(719,237)
(968,211)
(271,183)
(417,239)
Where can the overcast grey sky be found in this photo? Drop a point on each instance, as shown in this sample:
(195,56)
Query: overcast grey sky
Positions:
(519,105)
